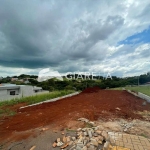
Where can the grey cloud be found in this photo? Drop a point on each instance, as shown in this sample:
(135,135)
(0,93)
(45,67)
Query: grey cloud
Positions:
(67,35)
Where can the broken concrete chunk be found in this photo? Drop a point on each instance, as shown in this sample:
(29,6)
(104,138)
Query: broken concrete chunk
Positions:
(33,147)
(98,132)
(58,139)
(83,119)
(73,138)
(94,142)
(84,148)
(100,138)
(106,145)
(90,122)
(118,109)
(59,143)
(64,146)
(79,129)
(68,139)
(89,133)
(54,145)
(64,139)
(70,143)
(105,135)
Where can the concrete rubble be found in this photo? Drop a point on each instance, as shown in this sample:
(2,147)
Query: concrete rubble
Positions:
(85,139)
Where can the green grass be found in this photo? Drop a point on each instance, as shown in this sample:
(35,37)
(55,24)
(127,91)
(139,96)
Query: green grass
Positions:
(118,88)
(7,112)
(36,98)
(142,89)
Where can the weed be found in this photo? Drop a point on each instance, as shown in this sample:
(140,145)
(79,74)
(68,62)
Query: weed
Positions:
(7,112)
(36,98)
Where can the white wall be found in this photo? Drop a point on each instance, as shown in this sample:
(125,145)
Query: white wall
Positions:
(23,91)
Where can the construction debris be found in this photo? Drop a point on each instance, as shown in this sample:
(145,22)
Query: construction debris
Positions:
(86,139)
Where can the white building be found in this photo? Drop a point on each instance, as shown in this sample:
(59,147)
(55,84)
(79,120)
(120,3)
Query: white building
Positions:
(12,91)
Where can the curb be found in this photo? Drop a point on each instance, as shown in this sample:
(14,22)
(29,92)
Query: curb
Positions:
(140,95)
(51,100)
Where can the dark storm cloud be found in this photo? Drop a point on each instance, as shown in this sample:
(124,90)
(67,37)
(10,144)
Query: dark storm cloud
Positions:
(70,35)
(32,33)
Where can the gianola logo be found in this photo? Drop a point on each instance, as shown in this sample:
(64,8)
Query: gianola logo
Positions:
(47,73)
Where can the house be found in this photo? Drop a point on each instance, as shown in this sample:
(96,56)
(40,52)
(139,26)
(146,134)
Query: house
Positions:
(14,79)
(12,91)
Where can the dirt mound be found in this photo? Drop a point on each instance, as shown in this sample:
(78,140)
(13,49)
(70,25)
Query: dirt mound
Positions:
(102,104)
(91,89)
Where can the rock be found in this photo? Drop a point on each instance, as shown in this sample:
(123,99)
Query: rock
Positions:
(80,144)
(78,148)
(95,134)
(68,139)
(54,144)
(94,142)
(44,129)
(73,138)
(79,129)
(89,133)
(70,143)
(87,138)
(125,130)
(33,147)
(105,135)
(118,109)
(84,148)
(64,146)
(88,145)
(64,139)
(100,142)
(83,119)
(72,148)
(62,133)
(58,139)
(92,123)
(92,147)
(98,132)
(85,133)
(80,140)
(100,138)
(59,144)
(106,145)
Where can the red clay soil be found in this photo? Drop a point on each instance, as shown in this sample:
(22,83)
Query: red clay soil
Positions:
(101,104)
(91,90)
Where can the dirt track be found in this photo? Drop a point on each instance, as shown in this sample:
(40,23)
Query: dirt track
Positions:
(92,104)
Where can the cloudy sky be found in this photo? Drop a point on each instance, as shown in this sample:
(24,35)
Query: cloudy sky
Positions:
(75,35)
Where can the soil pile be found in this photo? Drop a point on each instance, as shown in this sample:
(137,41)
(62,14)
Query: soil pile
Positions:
(91,89)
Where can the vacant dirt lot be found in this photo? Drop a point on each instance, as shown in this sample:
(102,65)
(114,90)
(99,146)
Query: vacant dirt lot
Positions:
(94,104)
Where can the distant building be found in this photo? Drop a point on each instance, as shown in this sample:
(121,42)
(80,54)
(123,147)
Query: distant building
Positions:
(12,91)
(14,79)
(26,82)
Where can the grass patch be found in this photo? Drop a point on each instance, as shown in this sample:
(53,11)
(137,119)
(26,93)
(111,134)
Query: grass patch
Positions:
(70,130)
(36,98)
(144,135)
(118,88)
(142,89)
(88,125)
(7,112)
